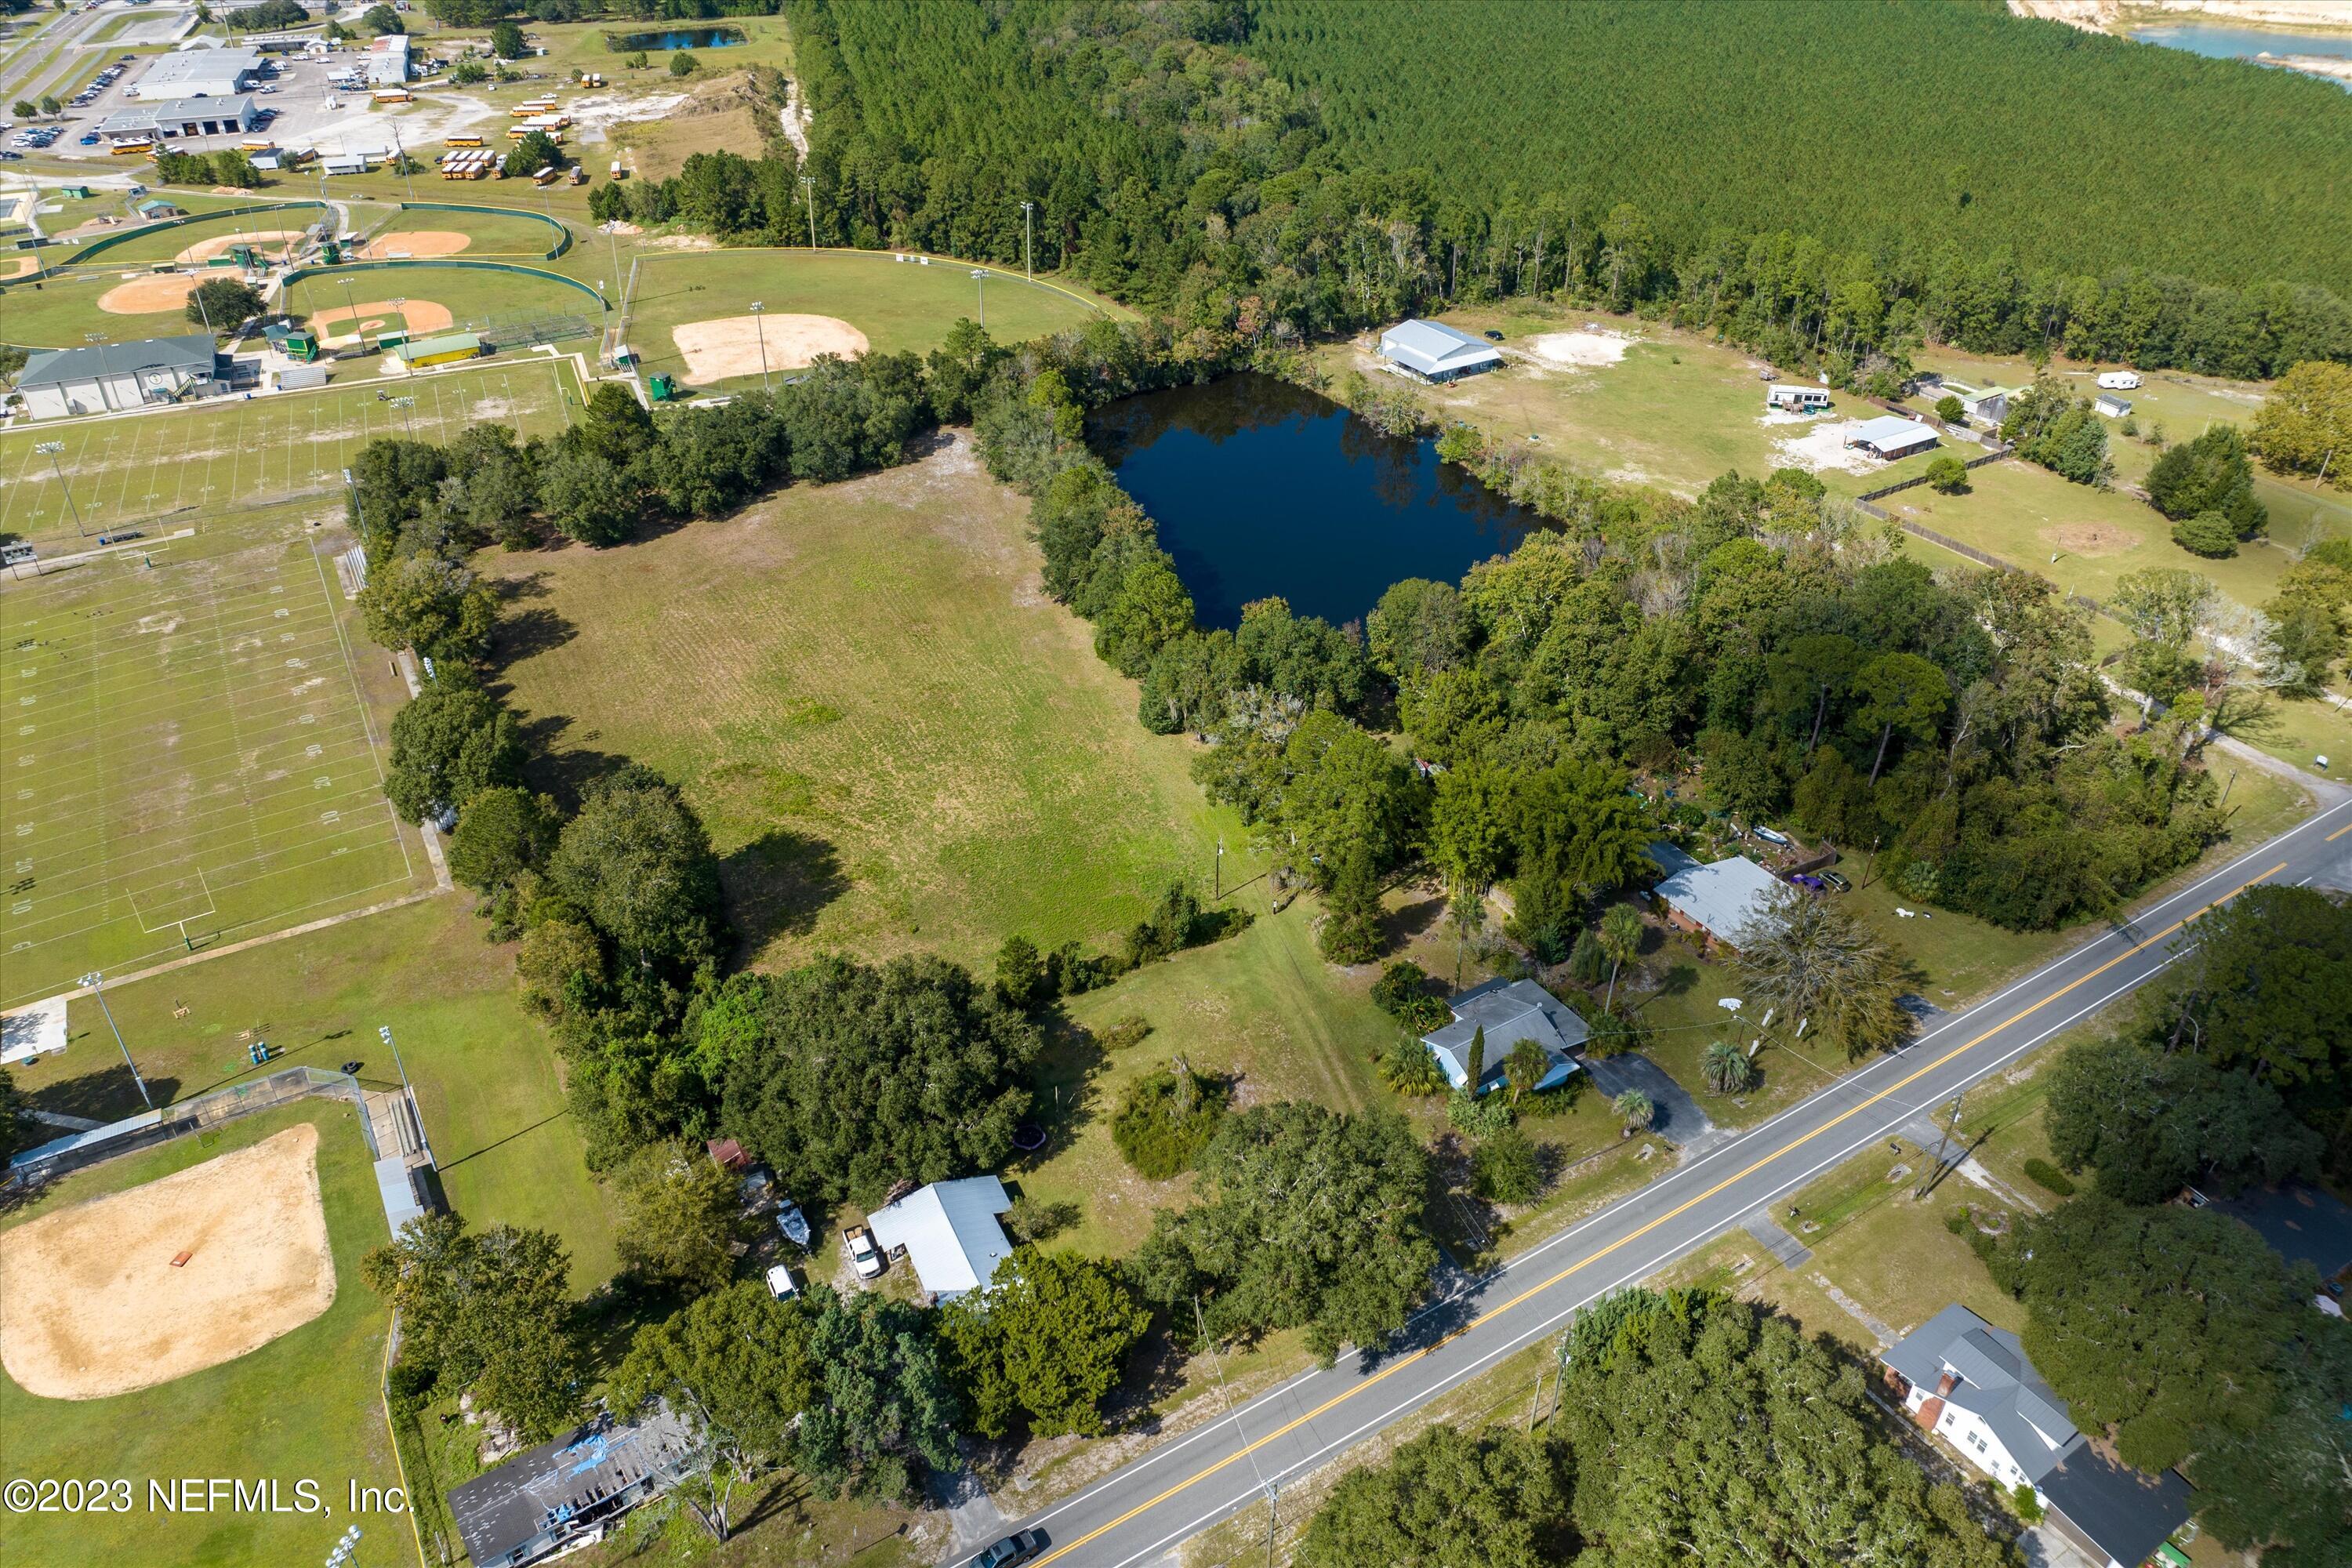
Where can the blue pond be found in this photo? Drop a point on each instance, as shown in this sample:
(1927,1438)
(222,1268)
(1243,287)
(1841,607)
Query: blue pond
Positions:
(2220,42)
(678,38)
(1260,488)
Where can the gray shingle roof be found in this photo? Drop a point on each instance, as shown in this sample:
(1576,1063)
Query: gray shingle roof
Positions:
(2126,1513)
(1510,1011)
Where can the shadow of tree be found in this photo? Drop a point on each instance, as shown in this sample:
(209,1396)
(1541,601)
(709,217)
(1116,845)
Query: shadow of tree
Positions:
(526,632)
(562,770)
(778,884)
(107,1095)
(1062,1107)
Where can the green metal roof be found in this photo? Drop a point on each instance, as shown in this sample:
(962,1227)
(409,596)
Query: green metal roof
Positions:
(448,344)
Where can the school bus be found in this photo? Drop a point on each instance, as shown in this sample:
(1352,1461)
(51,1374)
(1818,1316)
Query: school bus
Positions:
(128,149)
(462,142)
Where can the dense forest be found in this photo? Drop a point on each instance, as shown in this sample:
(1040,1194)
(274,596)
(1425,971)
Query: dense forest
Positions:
(1171,160)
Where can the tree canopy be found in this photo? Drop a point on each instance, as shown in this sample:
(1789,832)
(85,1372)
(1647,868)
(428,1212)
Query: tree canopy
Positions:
(1044,1344)
(487,1310)
(1448,1499)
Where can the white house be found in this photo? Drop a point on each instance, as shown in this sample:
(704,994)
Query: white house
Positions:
(1723,901)
(122,375)
(1796,399)
(949,1232)
(1890,436)
(1432,350)
(2119,380)
(1971,1385)
(1509,1011)
(198,73)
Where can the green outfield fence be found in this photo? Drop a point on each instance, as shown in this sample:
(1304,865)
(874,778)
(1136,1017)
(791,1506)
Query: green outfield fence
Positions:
(126,235)
(300,273)
(563,232)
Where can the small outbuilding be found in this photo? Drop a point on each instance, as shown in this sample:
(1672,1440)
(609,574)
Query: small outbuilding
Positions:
(1432,351)
(949,1232)
(1509,1011)
(1723,901)
(1890,436)
(447,349)
(2108,403)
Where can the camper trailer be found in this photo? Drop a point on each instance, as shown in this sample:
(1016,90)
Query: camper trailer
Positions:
(2118,380)
(1796,399)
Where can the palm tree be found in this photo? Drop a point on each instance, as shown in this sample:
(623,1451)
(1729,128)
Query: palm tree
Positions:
(1633,1107)
(1620,939)
(1524,1068)
(1727,1069)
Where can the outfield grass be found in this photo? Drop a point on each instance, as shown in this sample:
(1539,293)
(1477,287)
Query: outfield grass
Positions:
(897,305)
(507,237)
(484,1066)
(189,745)
(201,460)
(473,297)
(899,744)
(304,1405)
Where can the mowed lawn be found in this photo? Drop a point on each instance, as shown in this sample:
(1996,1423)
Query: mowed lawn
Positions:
(484,1067)
(896,304)
(306,1406)
(899,744)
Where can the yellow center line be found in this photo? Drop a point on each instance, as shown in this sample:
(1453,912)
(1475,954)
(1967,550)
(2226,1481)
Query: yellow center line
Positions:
(2340,832)
(1492,1313)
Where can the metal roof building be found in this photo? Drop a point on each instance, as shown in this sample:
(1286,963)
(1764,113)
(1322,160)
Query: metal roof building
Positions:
(122,376)
(198,73)
(1434,351)
(949,1231)
(1723,900)
(564,1492)
(1509,1011)
(1892,436)
(387,63)
(198,116)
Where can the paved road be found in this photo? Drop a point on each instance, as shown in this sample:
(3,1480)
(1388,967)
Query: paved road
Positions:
(1142,1510)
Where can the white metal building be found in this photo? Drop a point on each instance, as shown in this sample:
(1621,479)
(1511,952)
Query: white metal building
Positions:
(949,1231)
(1890,436)
(198,73)
(155,122)
(387,61)
(1434,352)
(122,375)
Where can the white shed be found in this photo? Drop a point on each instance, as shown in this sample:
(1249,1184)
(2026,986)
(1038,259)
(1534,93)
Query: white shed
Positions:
(1434,351)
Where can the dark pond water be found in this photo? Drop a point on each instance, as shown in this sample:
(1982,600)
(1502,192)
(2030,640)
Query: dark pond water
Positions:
(1262,488)
(676,38)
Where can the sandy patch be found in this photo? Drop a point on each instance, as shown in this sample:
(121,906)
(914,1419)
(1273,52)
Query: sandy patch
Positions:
(682,242)
(145,296)
(1823,447)
(419,315)
(275,243)
(1579,350)
(415,242)
(24,264)
(2091,538)
(90,1305)
(732,345)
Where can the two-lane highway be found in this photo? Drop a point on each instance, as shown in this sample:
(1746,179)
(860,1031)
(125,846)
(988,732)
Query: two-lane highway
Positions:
(1147,1506)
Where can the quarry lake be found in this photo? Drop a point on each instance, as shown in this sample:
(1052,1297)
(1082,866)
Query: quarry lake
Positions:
(1260,488)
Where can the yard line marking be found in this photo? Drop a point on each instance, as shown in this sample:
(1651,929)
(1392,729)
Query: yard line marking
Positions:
(1632,1237)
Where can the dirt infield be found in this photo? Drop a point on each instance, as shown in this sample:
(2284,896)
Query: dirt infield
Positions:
(2091,538)
(415,242)
(145,296)
(274,244)
(415,316)
(731,345)
(92,1306)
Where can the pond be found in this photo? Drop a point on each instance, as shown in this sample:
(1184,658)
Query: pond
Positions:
(1262,488)
(2225,43)
(676,39)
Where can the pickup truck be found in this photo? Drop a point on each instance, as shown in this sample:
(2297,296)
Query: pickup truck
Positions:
(864,1255)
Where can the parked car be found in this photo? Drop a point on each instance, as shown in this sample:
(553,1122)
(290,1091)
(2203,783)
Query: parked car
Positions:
(779,1283)
(1803,880)
(1838,882)
(1493,336)
(1018,1547)
(864,1255)
(90,139)
(13,157)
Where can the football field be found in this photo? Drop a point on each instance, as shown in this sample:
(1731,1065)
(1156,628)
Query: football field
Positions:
(188,758)
(204,459)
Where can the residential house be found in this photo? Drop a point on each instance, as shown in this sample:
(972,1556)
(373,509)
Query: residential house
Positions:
(1722,902)
(2304,1225)
(1509,1011)
(949,1232)
(564,1495)
(1972,1385)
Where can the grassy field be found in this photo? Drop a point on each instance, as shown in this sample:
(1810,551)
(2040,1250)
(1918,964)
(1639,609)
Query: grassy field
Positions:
(190,746)
(899,744)
(483,1066)
(897,305)
(475,298)
(202,458)
(304,1405)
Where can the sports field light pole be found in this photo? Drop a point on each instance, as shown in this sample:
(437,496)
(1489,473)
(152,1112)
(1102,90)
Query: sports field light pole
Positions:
(97,984)
(383,1032)
(346,1547)
(51,450)
(1028,236)
(808,195)
(980,286)
(760,326)
(407,424)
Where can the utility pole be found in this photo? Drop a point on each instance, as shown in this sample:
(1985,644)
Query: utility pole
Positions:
(97,984)
(1951,1130)
(50,449)
(1028,236)
(980,285)
(808,195)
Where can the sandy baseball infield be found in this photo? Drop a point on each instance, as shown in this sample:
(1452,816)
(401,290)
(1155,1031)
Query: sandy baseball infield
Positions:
(415,242)
(730,346)
(415,315)
(272,242)
(145,296)
(90,1305)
